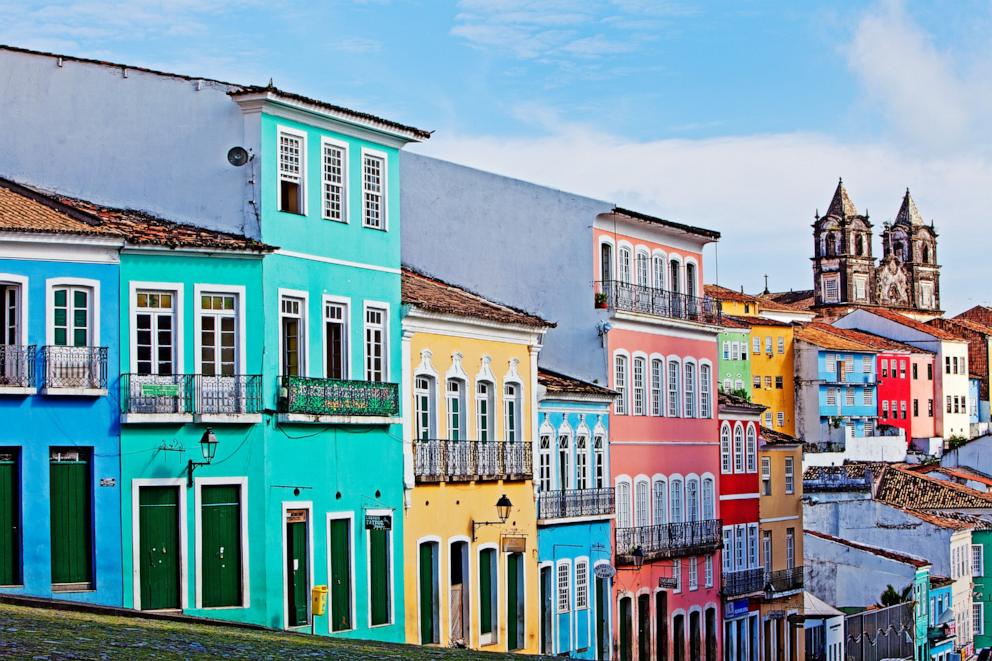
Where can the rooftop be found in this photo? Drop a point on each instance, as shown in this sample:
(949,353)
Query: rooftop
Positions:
(914,490)
(726,294)
(961,323)
(876,341)
(772,437)
(826,337)
(841,204)
(689,229)
(850,476)
(433,295)
(555,382)
(940,581)
(938,333)
(747,321)
(958,472)
(733,401)
(904,558)
(802,299)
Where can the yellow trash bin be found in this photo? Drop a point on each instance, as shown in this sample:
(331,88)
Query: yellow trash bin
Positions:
(318,600)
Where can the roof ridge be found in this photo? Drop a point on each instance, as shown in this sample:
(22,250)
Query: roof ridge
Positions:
(892,554)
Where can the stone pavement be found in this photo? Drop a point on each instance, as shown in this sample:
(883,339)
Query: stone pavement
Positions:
(37,633)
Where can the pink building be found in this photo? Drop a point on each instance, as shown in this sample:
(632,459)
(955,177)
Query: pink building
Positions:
(661,341)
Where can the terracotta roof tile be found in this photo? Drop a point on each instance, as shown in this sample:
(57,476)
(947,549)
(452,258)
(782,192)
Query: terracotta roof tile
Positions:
(961,322)
(749,321)
(850,476)
(904,558)
(433,295)
(876,341)
(958,472)
(951,520)
(803,299)
(725,399)
(910,489)
(910,323)
(726,294)
(772,437)
(824,335)
(556,382)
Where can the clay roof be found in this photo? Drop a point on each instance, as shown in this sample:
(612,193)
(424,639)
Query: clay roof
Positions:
(841,204)
(824,336)
(959,472)
(910,323)
(749,321)
(637,215)
(908,213)
(950,520)
(910,489)
(555,382)
(727,400)
(850,476)
(769,303)
(24,209)
(433,295)
(803,299)
(876,341)
(772,437)
(735,323)
(940,581)
(959,322)
(726,294)
(904,558)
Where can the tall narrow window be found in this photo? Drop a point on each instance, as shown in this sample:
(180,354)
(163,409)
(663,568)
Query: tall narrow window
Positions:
(484,410)
(657,375)
(544,463)
(218,334)
(623,505)
(155,332)
(642,513)
(693,573)
(725,449)
(658,271)
(692,499)
(766,549)
(375,344)
(564,461)
(704,392)
(71,318)
(690,279)
(639,382)
(11,295)
(564,599)
(674,278)
(424,396)
(292,172)
(752,449)
(738,449)
(373,192)
(292,321)
(511,412)
(581,585)
(789,475)
(605,262)
(766,476)
(456,409)
(336,340)
(581,461)
(599,461)
(675,502)
(690,391)
(659,505)
(334,164)
(708,501)
(790,548)
(752,545)
(620,384)
(642,270)
(673,389)
(625,274)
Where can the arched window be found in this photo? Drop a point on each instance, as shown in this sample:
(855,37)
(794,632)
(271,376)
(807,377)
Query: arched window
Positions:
(690,391)
(620,384)
(511,412)
(658,271)
(692,499)
(709,499)
(424,395)
(623,504)
(642,512)
(456,409)
(673,389)
(643,278)
(659,504)
(705,410)
(484,410)
(605,262)
(738,449)
(639,383)
(752,450)
(675,502)
(582,461)
(926,253)
(725,448)
(564,456)
(544,463)
(625,265)
(599,461)
(861,244)
(657,376)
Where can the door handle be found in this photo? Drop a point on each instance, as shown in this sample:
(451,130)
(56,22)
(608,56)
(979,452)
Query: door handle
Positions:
(221,553)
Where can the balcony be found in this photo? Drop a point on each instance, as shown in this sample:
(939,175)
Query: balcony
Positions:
(743,582)
(157,398)
(17,364)
(329,401)
(74,370)
(660,302)
(669,540)
(784,582)
(572,503)
(235,399)
(438,460)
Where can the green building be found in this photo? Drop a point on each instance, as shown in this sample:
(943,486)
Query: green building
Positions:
(981,557)
(734,363)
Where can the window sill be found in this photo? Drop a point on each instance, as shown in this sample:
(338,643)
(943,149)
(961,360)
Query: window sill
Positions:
(228,418)
(74,392)
(156,418)
(18,390)
(314,419)
(73,587)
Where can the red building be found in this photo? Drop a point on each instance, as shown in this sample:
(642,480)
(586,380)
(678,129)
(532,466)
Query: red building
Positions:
(743,577)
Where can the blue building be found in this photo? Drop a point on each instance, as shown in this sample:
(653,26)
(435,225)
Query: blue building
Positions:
(836,385)
(575,507)
(941,632)
(60,491)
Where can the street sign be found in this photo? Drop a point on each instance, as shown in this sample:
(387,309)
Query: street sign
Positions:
(604,571)
(668,582)
(736,608)
(159,389)
(378,522)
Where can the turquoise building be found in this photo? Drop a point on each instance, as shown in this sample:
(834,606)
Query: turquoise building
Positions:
(941,632)
(575,509)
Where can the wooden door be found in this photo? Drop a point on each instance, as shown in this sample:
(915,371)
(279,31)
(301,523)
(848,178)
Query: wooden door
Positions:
(514,601)
(644,627)
(428,601)
(71,518)
(546,611)
(158,529)
(10,520)
(626,627)
(340,575)
(297,568)
(221,546)
(379,579)
(486,593)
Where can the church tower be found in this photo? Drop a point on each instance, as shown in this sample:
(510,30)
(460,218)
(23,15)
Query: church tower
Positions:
(908,275)
(843,268)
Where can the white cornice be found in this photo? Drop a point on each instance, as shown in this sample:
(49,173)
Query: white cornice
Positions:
(417,320)
(643,323)
(42,247)
(646,231)
(201,252)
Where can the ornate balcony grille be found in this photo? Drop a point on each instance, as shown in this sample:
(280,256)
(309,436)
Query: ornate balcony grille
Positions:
(437,460)
(74,367)
(17,365)
(157,394)
(229,395)
(784,580)
(669,540)
(660,302)
(332,397)
(744,581)
(567,503)
(881,633)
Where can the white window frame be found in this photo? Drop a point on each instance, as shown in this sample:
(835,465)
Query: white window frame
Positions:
(674,394)
(726,451)
(515,402)
(390,580)
(657,369)
(581,583)
(638,385)
(780,418)
(693,573)
(51,284)
(382,306)
(705,373)
(242,484)
(302,135)
(375,153)
(325,144)
(344,302)
(739,449)
(176,289)
(708,571)
(751,449)
(304,322)
(563,587)
(490,416)
(240,311)
(621,361)
(977,560)
(790,475)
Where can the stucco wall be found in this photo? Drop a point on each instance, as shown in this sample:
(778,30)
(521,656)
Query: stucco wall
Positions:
(844,576)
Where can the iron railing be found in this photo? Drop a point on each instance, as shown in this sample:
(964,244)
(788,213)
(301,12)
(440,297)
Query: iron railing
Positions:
(315,396)
(74,367)
(439,460)
(17,365)
(563,504)
(881,633)
(157,393)
(229,395)
(669,540)
(744,581)
(660,302)
(784,580)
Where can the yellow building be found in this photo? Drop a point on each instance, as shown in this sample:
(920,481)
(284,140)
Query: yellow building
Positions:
(469,383)
(780,528)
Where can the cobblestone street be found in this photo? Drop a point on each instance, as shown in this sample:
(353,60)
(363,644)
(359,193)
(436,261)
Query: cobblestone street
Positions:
(34,633)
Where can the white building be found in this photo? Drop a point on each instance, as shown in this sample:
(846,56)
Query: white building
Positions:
(824,629)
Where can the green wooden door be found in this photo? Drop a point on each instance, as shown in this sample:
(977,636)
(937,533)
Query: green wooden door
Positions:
(71,518)
(340,575)
(158,528)
(601,625)
(10,525)
(428,579)
(546,610)
(297,573)
(514,603)
(644,627)
(625,630)
(379,578)
(486,591)
(221,545)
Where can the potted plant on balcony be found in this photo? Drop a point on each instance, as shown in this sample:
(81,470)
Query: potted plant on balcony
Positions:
(601,301)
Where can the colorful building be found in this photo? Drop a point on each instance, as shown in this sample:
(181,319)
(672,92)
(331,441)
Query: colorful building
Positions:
(743,577)
(470,383)
(575,507)
(734,364)
(981,577)
(941,632)
(773,371)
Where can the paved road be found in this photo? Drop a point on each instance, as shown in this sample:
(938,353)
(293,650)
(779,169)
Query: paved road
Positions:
(35,633)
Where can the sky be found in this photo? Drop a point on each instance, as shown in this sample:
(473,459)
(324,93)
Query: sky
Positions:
(737,116)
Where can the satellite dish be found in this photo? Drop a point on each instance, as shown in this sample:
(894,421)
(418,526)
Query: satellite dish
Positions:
(238,156)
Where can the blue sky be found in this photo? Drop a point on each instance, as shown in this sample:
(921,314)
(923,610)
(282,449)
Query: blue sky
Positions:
(734,115)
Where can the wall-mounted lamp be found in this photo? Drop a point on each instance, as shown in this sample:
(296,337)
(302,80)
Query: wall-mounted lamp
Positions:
(208,447)
(637,556)
(503,506)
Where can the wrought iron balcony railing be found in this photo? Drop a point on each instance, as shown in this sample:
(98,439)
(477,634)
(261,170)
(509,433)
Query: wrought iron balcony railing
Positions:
(669,540)
(784,580)
(161,394)
(438,460)
(660,302)
(563,504)
(744,581)
(314,396)
(74,368)
(229,395)
(17,365)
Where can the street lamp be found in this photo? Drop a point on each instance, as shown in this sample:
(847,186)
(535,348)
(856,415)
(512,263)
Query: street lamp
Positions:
(208,448)
(503,507)
(637,557)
